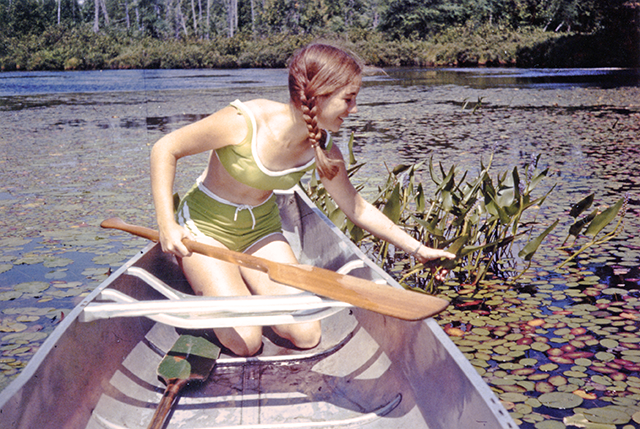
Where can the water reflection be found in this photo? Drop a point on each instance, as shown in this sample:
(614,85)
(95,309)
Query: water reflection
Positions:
(162,123)
(506,77)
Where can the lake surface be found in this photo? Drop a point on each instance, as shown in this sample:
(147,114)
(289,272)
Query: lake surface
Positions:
(75,149)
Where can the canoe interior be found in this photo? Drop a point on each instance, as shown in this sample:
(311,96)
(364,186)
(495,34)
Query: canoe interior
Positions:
(370,371)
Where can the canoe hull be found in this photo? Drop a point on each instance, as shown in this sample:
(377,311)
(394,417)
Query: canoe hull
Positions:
(370,371)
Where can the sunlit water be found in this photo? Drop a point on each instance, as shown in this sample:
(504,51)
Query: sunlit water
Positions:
(75,149)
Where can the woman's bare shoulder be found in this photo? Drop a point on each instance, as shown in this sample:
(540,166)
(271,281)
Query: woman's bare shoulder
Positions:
(225,126)
(264,109)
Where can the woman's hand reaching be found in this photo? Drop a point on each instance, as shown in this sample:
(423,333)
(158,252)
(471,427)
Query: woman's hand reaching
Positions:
(430,258)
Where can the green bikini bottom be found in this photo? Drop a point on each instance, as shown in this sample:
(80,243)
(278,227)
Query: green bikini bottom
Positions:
(235,226)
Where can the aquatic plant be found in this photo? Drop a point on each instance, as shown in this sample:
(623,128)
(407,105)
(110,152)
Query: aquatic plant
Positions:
(596,221)
(482,220)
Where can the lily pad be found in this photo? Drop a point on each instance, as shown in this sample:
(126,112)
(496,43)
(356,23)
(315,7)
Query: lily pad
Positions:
(34,311)
(513,397)
(13,327)
(57,262)
(56,275)
(548,367)
(27,318)
(560,400)
(10,295)
(608,415)
(14,242)
(31,287)
(29,260)
(579,420)
(550,424)
(615,291)
(110,259)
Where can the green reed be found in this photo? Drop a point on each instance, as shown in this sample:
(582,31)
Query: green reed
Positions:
(489,221)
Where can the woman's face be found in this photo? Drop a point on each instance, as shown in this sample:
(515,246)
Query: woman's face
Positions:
(337,106)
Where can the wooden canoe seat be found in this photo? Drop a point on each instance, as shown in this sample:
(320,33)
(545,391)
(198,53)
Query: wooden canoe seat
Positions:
(187,311)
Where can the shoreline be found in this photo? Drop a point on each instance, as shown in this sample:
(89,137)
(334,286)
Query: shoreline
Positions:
(78,48)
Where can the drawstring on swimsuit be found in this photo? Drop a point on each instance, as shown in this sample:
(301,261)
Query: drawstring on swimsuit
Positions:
(245,207)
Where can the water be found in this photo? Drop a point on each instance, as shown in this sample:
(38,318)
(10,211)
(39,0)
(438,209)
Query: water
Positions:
(31,83)
(75,148)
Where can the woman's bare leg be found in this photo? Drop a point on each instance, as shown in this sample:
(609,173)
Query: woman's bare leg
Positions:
(275,248)
(211,277)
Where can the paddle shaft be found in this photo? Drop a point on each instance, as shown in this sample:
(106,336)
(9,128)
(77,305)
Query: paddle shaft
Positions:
(383,299)
(166,403)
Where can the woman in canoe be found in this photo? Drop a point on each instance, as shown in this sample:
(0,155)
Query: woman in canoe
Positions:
(259,146)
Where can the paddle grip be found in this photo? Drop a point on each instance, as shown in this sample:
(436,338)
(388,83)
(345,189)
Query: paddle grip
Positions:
(140,231)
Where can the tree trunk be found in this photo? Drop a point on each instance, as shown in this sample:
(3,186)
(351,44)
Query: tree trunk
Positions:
(195,18)
(96,16)
(126,14)
(59,2)
(208,20)
(233,16)
(103,5)
(253,18)
(181,20)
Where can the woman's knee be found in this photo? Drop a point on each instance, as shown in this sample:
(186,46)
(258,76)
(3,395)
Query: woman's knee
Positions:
(242,341)
(302,335)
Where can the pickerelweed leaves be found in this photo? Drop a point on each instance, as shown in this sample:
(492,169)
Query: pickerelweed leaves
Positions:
(487,221)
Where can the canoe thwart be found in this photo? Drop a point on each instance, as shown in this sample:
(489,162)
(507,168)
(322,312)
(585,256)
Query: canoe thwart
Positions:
(196,312)
(214,312)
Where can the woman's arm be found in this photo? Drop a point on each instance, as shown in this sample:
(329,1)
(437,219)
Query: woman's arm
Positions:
(223,128)
(367,217)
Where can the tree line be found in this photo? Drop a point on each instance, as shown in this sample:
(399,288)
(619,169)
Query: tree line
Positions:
(204,19)
(93,34)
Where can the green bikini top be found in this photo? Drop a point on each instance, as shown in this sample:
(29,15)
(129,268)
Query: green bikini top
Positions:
(242,163)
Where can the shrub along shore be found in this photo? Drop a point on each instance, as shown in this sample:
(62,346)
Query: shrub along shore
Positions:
(79,48)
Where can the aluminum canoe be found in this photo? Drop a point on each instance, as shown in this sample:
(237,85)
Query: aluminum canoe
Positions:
(98,368)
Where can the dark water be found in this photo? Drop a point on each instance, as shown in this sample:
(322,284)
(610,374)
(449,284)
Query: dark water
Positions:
(75,147)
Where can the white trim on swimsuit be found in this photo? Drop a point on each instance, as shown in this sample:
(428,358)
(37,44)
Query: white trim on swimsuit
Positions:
(239,207)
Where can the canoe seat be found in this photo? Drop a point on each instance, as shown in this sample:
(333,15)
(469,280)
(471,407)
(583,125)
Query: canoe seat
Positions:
(198,312)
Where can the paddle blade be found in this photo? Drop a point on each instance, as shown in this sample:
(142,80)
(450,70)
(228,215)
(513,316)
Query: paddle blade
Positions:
(400,303)
(191,358)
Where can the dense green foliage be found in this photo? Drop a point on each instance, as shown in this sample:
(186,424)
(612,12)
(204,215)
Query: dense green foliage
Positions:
(95,34)
(485,220)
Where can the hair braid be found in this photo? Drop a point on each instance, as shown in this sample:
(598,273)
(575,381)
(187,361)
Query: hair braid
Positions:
(319,70)
(310,113)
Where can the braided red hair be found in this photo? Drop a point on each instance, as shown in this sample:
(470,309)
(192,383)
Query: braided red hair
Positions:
(316,71)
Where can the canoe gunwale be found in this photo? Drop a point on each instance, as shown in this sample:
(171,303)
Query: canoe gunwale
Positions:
(50,342)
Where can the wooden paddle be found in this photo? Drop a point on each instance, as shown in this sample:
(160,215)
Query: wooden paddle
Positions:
(190,360)
(387,300)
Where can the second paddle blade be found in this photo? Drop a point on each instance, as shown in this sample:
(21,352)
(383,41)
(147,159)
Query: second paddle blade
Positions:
(191,358)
